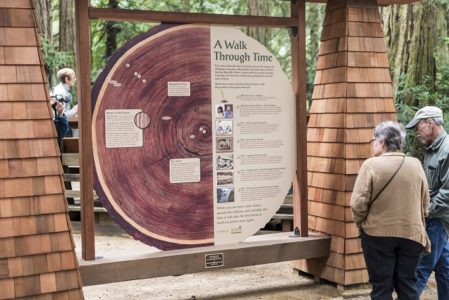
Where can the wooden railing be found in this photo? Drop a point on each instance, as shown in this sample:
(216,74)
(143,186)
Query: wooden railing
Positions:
(70,164)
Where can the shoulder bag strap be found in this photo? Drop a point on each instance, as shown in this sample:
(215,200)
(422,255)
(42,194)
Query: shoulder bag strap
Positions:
(388,182)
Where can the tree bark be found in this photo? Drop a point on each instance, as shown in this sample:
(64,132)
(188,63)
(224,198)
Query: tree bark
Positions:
(314,21)
(67,26)
(42,12)
(259,8)
(414,36)
(43,17)
(112,29)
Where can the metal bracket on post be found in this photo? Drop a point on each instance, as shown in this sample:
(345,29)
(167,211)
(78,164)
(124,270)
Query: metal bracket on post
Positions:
(294,31)
(296,232)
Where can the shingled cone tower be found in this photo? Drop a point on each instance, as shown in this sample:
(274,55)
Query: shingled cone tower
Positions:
(37,258)
(352,93)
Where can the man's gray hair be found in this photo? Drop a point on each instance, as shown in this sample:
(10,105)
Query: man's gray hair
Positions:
(439,121)
(392,134)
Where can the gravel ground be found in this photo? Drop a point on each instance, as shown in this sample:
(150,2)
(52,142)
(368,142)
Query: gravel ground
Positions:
(271,281)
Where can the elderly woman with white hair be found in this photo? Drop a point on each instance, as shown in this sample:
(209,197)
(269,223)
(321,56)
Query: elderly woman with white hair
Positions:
(389,201)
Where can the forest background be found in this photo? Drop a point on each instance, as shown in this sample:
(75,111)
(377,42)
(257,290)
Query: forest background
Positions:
(416,36)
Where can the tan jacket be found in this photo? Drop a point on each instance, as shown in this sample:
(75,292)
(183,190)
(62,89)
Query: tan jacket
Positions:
(399,210)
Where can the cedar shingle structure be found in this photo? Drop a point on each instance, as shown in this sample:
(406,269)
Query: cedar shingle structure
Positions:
(352,94)
(37,257)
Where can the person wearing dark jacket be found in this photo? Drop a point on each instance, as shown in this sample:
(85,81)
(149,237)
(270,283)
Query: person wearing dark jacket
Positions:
(428,125)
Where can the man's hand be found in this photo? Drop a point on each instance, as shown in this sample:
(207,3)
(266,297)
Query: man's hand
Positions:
(59,107)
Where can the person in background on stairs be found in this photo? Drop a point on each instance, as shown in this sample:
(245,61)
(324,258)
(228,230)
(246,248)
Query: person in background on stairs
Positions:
(60,98)
(388,203)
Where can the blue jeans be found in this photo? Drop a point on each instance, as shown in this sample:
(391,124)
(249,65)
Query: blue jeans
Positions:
(437,260)
(62,126)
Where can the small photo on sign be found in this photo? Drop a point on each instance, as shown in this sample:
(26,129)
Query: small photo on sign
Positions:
(225,178)
(224,127)
(228,111)
(224,144)
(219,111)
(225,162)
(225,194)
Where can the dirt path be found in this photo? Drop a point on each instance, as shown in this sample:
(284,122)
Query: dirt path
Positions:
(272,281)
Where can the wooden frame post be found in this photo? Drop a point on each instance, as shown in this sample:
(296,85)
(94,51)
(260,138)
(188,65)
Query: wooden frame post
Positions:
(300,211)
(85,120)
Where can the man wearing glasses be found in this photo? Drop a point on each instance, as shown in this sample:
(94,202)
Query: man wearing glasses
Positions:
(428,125)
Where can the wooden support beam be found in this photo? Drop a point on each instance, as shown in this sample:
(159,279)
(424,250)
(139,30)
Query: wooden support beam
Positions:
(131,15)
(85,121)
(256,250)
(298,39)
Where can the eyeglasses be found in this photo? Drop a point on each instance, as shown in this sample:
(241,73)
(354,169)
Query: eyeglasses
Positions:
(372,140)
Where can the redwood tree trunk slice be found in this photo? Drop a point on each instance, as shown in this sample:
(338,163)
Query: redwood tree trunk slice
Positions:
(133,183)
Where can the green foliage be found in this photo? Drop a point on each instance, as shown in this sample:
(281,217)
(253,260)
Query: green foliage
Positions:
(55,59)
(430,93)
(126,31)
(417,95)
(279,45)
(413,146)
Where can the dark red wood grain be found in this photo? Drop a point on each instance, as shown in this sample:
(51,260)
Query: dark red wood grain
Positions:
(138,178)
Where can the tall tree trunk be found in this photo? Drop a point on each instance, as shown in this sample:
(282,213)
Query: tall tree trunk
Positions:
(67,26)
(314,21)
(42,14)
(413,34)
(259,8)
(42,9)
(447,20)
(112,29)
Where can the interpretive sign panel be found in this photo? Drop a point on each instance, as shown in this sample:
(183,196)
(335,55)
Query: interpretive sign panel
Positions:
(121,130)
(257,102)
(194,136)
